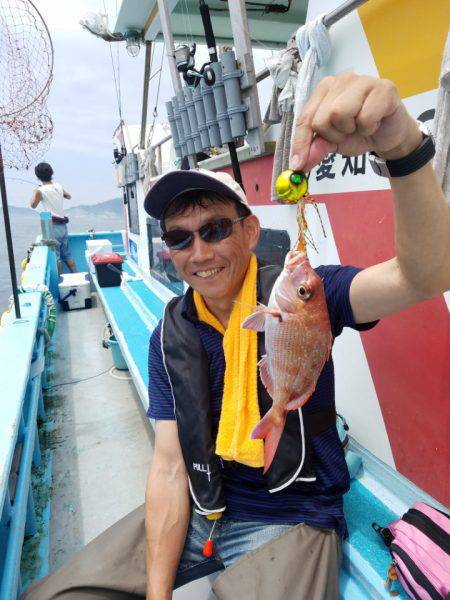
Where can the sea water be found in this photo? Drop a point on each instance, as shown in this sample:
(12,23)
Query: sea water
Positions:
(26,227)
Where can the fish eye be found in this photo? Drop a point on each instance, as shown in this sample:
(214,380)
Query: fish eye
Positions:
(303,292)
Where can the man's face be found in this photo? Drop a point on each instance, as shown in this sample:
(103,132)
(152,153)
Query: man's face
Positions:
(215,270)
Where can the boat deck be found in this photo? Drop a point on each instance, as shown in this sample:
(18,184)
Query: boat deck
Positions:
(100,437)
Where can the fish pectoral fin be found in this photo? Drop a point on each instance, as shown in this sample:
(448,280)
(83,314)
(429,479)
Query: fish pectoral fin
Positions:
(265,375)
(276,314)
(255,322)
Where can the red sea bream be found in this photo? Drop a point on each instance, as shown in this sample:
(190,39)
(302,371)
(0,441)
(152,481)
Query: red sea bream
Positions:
(298,342)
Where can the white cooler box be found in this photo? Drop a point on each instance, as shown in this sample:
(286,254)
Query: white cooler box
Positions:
(75,291)
(94,246)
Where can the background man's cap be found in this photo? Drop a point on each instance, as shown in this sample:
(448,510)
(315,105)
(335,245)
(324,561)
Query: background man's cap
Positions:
(174,183)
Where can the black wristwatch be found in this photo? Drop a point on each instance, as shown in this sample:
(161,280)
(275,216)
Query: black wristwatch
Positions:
(408,164)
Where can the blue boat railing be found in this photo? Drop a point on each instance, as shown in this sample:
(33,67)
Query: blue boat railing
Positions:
(24,345)
(24,366)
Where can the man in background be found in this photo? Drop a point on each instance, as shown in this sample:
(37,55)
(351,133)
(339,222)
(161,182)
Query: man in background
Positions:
(51,195)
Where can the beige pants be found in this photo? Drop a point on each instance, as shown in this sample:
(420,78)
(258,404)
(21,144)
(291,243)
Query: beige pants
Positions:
(302,563)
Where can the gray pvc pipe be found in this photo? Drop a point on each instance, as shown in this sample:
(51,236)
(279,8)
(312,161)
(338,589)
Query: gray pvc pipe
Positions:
(192,119)
(210,114)
(221,105)
(177,115)
(201,117)
(173,129)
(186,125)
(231,80)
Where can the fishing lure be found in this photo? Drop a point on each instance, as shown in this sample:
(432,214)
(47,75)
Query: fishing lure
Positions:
(292,188)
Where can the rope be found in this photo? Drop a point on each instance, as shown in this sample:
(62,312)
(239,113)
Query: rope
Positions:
(314,46)
(74,381)
(114,375)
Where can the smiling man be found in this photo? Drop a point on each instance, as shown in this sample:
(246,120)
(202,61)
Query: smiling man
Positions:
(211,208)
(208,503)
(211,235)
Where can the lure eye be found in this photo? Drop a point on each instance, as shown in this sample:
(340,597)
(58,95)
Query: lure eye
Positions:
(296,177)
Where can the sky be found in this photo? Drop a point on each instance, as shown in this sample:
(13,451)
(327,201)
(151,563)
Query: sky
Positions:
(83,102)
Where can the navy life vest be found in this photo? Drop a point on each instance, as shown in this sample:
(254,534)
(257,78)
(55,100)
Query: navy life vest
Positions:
(187,367)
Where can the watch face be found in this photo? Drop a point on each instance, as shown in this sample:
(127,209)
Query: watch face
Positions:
(426,131)
(378,165)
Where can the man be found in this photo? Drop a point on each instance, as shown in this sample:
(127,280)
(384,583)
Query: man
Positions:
(51,195)
(349,114)
(211,233)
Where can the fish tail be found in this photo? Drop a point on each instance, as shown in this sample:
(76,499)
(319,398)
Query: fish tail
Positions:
(270,429)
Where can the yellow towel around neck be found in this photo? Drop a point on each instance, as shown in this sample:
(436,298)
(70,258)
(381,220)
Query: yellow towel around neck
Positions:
(240,408)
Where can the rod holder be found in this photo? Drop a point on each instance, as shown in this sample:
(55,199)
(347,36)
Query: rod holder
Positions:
(210,114)
(201,117)
(181,137)
(188,100)
(186,125)
(174,129)
(221,105)
(231,80)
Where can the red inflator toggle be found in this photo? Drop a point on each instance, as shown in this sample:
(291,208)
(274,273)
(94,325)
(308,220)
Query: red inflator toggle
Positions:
(208,548)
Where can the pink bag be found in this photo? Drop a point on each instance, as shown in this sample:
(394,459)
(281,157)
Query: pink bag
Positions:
(419,543)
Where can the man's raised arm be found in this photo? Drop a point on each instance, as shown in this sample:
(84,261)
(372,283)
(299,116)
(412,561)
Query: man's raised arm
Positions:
(352,114)
(37,197)
(167,511)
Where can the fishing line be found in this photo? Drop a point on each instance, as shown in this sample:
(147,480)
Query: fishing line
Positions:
(189,20)
(33,183)
(155,110)
(182,5)
(116,84)
(118,74)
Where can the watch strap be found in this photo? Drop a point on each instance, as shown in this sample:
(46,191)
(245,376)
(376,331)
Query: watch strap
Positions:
(406,165)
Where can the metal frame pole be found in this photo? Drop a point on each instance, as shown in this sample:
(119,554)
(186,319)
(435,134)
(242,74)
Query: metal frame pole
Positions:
(244,57)
(170,52)
(12,266)
(168,40)
(341,11)
(148,56)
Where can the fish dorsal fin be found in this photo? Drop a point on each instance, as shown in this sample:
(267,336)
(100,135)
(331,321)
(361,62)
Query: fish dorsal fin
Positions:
(265,375)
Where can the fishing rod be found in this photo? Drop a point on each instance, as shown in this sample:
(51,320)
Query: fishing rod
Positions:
(212,50)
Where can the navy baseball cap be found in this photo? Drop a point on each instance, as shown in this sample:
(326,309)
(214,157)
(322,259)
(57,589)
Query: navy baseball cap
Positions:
(173,184)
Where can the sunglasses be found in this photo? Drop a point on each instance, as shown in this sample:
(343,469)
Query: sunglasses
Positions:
(211,232)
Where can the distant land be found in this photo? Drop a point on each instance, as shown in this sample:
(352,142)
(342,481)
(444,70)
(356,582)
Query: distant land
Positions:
(113,207)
